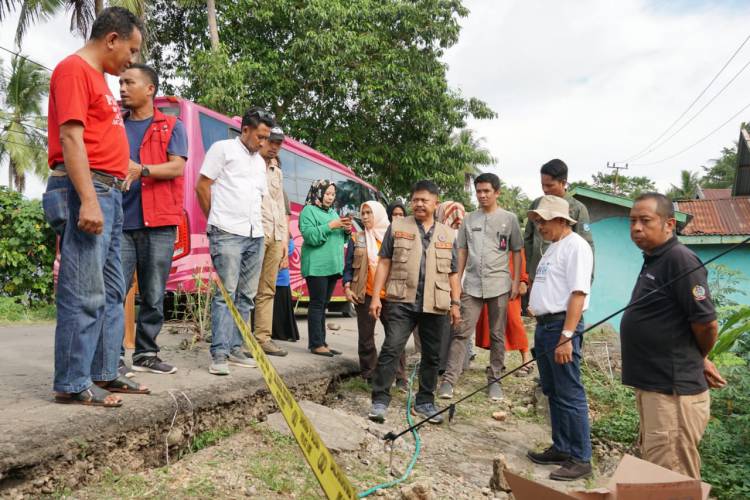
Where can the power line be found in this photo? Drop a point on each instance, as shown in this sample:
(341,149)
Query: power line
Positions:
(700,110)
(702,93)
(30,146)
(24,57)
(25,124)
(696,142)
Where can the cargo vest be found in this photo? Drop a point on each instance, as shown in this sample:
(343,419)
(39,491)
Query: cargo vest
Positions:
(403,278)
(360,266)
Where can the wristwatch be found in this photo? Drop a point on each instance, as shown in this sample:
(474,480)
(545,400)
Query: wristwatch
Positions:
(455,302)
(568,334)
(145,172)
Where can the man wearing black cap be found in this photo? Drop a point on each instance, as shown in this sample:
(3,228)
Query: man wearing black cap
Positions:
(276,243)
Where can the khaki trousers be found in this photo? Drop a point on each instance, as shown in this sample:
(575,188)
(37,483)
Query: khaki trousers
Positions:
(471,308)
(671,428)
(274,250)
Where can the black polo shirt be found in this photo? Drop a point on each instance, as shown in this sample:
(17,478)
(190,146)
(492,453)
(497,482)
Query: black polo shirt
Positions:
(659,351)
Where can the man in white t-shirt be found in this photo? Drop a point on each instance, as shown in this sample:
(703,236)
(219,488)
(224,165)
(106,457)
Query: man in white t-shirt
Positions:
(558,298)
(230,191)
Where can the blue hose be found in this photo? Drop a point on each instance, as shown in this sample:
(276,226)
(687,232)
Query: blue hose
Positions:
(417,445)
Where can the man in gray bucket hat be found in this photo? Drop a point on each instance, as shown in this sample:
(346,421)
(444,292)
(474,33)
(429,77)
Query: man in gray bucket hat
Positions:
(560,294)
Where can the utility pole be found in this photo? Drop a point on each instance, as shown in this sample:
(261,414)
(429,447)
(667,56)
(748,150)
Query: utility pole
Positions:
(614,165)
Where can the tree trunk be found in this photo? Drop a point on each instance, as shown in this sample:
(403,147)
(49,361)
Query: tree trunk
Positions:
(98,6)
(10,175)
(212,27)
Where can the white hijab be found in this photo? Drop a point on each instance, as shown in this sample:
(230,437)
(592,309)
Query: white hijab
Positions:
(377,232)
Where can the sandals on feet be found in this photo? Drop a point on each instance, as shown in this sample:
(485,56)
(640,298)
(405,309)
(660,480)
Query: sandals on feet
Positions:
(525,371)
(125,386)
(93,396)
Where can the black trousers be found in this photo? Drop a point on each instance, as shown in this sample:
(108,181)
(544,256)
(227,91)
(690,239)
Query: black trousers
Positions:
(399,321)
(320,289)
(368,352)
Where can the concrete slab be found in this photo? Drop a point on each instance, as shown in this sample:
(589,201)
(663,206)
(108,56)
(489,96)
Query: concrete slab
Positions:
(338,430)
(35,432)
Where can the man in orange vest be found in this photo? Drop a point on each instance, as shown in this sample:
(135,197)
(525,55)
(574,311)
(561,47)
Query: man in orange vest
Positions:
(151,207)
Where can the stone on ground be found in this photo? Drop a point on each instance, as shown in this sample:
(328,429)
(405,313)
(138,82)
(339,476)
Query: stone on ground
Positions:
(339,431)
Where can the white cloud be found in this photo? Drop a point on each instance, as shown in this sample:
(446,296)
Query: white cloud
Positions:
(593,81)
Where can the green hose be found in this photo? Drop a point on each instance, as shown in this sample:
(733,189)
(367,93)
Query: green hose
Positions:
(417,444)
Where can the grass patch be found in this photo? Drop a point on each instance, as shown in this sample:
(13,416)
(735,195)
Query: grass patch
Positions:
(615,416)
(281,467)
(354,384)
(210,438)
(18,310)
(113,486)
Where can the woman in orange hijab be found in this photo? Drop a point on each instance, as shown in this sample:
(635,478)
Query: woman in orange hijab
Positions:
(515,333)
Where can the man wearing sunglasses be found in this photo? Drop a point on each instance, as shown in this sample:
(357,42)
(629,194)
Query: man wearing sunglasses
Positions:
(230,191)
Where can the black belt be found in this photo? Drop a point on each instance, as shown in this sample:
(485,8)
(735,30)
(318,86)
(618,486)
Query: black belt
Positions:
(549,318)
(108,180)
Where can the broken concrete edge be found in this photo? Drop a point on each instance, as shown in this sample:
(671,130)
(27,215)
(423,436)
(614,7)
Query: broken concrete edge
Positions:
(105,438)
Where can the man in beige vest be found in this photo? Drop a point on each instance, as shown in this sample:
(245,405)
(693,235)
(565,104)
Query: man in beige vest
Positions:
(276,242)
(418,268)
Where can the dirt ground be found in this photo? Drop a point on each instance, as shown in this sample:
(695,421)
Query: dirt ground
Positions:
(455,461)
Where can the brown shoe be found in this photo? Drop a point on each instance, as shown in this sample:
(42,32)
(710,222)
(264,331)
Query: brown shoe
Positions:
(571,470)
(272,349)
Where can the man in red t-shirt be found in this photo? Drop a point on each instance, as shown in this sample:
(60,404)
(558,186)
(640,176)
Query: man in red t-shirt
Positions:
(88,155)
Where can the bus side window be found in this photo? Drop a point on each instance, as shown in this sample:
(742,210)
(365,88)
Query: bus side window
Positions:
(288,164)
(213,130)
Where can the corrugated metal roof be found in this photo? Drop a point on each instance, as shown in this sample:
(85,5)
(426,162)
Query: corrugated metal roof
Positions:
(720,217)
(716,194)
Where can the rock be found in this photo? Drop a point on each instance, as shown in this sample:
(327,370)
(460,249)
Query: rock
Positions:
(417,491)
(334,326)
(339,431)
(498,481)
(251,491)
(500,415)
(486,491)
(175,437)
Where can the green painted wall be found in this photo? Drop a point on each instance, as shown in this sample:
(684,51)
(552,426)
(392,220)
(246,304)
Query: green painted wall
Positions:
(618,262)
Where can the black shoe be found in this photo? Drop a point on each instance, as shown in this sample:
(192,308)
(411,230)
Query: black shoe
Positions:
(571,470)
(153,364)
(550,456)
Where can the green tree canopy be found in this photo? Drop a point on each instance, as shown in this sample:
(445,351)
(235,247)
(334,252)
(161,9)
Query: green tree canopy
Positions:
(722,170)
(360,80)
(688,188)
(628,186)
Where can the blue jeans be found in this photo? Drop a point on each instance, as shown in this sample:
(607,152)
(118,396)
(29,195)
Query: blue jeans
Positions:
(237,260)
(568,408)
(90,288)
(149,251)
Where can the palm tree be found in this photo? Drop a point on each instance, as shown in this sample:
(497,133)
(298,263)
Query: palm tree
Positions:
(476,155)
(22,138)
(82,12)
(689,182)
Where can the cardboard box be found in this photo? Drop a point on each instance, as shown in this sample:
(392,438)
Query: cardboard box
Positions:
(634,479)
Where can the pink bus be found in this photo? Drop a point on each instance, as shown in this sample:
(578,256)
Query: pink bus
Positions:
(300,164)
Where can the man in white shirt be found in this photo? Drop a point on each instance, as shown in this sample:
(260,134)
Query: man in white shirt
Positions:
(230,191)
(558,298)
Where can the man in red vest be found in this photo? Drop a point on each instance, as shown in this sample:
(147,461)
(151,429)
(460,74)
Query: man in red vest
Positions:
(151,207)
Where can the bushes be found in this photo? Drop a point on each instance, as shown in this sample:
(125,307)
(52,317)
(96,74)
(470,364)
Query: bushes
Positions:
(27,249)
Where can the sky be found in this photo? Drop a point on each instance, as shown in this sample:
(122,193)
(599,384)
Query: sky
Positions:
(587,81)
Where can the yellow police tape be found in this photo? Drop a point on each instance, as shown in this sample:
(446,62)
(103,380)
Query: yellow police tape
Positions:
(332,479)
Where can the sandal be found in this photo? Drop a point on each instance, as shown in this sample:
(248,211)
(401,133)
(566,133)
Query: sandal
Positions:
(525,371)
(334,351)
(93,396)
(125,386)
(327,354)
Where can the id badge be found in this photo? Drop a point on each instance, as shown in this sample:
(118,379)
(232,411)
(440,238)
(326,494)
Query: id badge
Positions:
(503,242)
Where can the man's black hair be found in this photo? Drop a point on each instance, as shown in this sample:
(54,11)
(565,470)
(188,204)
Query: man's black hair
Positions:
(664,207)
(115,19)
(425,185)
(256,115)
(557,169)
(149,72)
(488,178)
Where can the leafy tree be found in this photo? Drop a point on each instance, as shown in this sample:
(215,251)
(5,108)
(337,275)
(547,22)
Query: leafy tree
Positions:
(477,156)
(722,170)
(689,182)
(513,199)
(27,248)
(628,186)
(22,140)
(362,81)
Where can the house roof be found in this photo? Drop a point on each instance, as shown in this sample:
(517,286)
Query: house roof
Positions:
(717,217)
(578,191)
(742,178)
(716,194)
